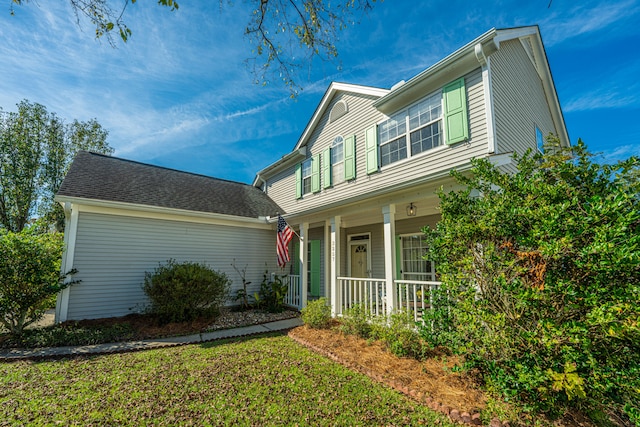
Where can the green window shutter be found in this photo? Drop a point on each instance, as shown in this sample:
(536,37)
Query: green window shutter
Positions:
(455,111)
(349,157)
(326,167)
(398,258)
(295,257)
(298,180)
(371,149)
(315,268)
(315,173)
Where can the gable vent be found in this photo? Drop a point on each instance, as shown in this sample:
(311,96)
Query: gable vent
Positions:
(339,109)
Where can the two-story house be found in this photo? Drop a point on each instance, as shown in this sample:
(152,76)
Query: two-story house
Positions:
(358,186)
(361,182)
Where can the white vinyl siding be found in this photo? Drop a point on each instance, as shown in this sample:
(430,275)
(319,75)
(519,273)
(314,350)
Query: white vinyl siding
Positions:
(519,100)
(113,252)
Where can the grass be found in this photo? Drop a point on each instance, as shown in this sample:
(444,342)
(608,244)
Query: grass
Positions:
(269,380)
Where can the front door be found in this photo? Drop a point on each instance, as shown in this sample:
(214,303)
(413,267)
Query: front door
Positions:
(359,255)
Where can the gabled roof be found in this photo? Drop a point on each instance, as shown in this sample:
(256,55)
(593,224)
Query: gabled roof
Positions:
(335,87)
(98,177)
(298,151)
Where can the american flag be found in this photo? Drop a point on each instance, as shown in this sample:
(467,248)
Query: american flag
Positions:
(285,233)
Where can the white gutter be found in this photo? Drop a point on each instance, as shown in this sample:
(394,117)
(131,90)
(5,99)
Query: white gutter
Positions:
(157,210)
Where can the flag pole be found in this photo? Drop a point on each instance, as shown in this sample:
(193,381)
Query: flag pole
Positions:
(294,231)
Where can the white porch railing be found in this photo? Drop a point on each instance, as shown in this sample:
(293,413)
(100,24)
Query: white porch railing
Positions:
(293,297)
(356,290)
(415,296)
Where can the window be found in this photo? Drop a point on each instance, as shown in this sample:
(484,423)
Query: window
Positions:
(438,119)
(413,265)
(392,138)
(306,176)
(337,159)
(424,122)
(539,140)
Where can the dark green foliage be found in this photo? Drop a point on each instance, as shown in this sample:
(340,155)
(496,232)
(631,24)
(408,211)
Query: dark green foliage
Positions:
(29,276)
(36,150)
(272,293)
(317,314)
(357,321)
(184,291)
(401,337)
(544,274)
(437,323)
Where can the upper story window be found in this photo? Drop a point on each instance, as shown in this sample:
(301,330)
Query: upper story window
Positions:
(306,176)
(337,160)
(392,139)
(424,124)
(438,119)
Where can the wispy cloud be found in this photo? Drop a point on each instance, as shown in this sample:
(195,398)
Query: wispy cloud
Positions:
(586,18)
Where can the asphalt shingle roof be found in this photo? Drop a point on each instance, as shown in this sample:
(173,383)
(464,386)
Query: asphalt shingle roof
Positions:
(101,177)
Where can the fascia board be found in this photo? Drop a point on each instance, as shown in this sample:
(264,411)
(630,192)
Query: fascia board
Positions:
(148,211)
(550,89)
(286,161)
(324,103)
(392,101)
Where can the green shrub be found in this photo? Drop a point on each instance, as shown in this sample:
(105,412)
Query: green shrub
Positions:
(544,274)
(357,321)
(272,293)
(402,338)
(317,314)
(29,276)
(436,327)
(181,292)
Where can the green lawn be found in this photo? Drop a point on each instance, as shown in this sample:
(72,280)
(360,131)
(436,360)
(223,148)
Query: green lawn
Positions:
(269,380)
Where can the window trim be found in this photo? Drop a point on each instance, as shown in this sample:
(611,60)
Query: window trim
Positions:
(337,178)
(306,164)
(407,133)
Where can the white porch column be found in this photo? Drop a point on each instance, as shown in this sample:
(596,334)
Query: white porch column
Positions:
(327,257)
(304,263)
(389,225)
(335,265)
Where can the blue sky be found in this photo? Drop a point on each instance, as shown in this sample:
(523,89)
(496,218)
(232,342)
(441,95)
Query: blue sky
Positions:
(178,93)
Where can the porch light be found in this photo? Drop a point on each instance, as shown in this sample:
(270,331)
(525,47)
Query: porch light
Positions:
(411,209)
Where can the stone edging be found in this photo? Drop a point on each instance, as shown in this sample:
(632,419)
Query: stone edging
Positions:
(453,414)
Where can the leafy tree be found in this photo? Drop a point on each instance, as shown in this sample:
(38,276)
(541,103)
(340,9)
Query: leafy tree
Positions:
(36,150)
(286,34)
(29,276)
(543,270)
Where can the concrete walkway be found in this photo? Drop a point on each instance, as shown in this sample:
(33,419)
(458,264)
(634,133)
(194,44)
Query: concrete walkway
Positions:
(7,355)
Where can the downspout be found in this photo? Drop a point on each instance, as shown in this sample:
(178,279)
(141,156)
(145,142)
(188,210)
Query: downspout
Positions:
(70,232)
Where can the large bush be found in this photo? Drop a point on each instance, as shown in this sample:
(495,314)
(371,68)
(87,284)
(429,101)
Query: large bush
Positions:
(543,269)
(184,291)
(29,276)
